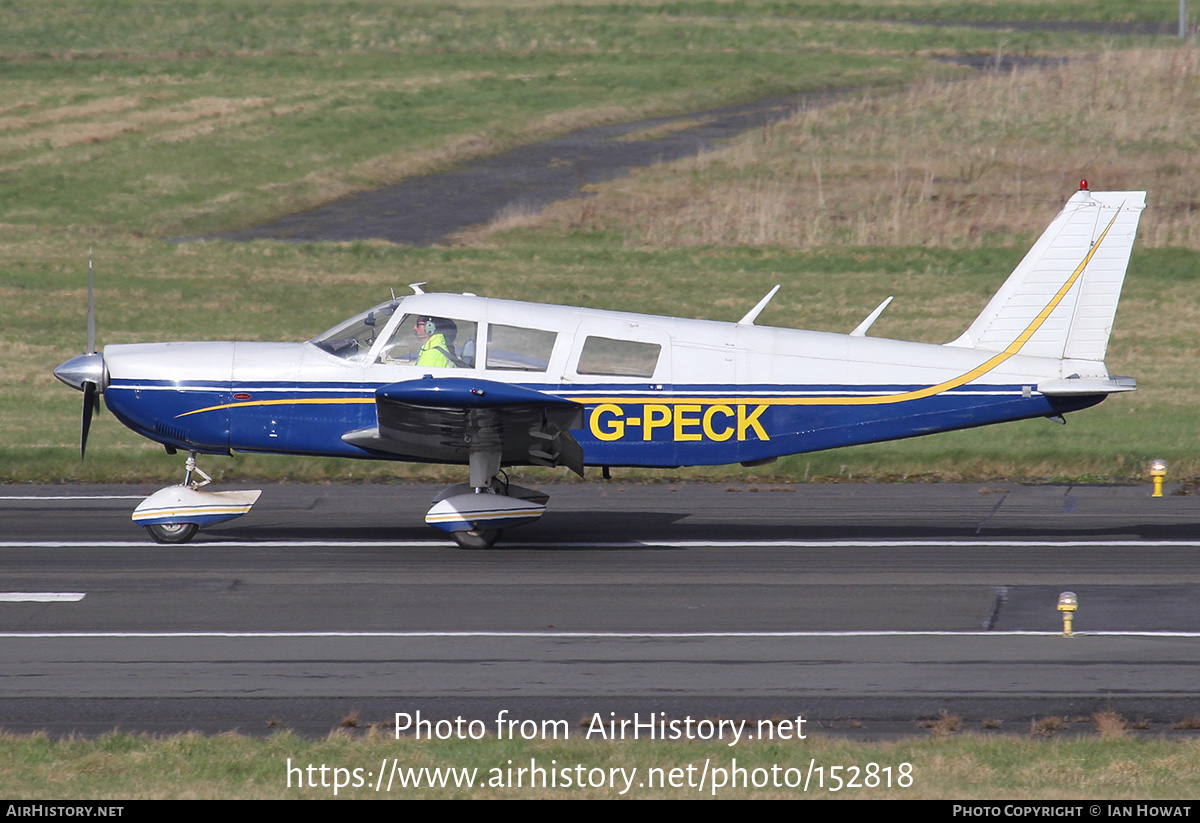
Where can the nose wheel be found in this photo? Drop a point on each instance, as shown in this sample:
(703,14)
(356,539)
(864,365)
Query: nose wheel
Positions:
(172,532)
(477,539)
(176,513)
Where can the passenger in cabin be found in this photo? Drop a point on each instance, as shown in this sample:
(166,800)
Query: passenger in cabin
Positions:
(437,338)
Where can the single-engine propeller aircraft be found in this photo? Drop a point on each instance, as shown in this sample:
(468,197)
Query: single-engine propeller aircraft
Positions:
(461,379)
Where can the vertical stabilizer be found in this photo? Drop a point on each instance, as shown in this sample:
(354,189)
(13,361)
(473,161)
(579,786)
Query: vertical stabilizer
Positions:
(1062,298)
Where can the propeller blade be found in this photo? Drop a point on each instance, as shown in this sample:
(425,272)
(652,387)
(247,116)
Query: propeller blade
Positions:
(91,311)
(89,410)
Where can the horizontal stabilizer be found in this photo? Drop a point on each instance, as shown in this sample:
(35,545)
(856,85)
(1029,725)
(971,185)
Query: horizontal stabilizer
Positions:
(1077,386)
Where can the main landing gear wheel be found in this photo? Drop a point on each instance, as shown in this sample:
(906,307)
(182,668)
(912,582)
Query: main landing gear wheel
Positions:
(478,539)
(172,532)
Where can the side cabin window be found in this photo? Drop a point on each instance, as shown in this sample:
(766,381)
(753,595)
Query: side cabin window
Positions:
(514,348)
(352,340)
(432,342)
(618,358)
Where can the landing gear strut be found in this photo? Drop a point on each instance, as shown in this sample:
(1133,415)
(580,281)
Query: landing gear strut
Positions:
(178,533)
(190,468)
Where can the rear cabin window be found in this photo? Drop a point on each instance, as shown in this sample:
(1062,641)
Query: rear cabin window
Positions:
(618,358)
(518,349)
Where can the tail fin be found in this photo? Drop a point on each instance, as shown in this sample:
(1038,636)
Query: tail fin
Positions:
(1063,296)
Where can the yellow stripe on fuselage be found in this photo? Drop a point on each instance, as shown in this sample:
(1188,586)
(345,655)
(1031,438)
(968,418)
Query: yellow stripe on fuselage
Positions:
(303,401)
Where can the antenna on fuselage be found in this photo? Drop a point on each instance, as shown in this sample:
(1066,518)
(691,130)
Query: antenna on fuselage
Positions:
(416,287)
(861,329)
(748,320)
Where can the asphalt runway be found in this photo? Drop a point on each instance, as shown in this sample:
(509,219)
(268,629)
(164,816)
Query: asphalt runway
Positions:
(868,609)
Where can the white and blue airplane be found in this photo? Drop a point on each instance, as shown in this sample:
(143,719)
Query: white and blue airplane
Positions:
(485,383)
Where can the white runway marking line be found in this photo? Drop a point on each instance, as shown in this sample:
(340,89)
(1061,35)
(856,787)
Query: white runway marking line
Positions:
(230,544)
(216,542)
(41,597)
(516,635)
(67,499)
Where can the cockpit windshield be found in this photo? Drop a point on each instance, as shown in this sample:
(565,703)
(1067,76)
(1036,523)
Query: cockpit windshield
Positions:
(352,340)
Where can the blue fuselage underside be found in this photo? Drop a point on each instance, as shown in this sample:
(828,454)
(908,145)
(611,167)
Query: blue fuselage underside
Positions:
(633,426)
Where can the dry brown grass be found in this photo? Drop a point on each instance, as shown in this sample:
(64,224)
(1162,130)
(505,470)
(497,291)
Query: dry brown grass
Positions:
(350,721)
(37,140)
(1046,726)
(945,725)
(89,126)
(62,114)
(954,164)
(1110,724)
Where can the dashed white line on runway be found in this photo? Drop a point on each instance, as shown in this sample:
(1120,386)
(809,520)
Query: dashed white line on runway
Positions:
(42,498)
(41,597)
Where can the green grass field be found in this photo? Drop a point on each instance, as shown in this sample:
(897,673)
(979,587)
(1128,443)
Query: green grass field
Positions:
(124,124)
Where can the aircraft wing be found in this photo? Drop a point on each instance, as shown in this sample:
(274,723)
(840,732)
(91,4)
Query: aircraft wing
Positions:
(445,420)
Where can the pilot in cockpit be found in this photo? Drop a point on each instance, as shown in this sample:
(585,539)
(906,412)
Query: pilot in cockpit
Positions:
(437,342)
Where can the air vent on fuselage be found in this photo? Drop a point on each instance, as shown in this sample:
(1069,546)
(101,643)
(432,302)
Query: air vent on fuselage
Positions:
(170,432)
